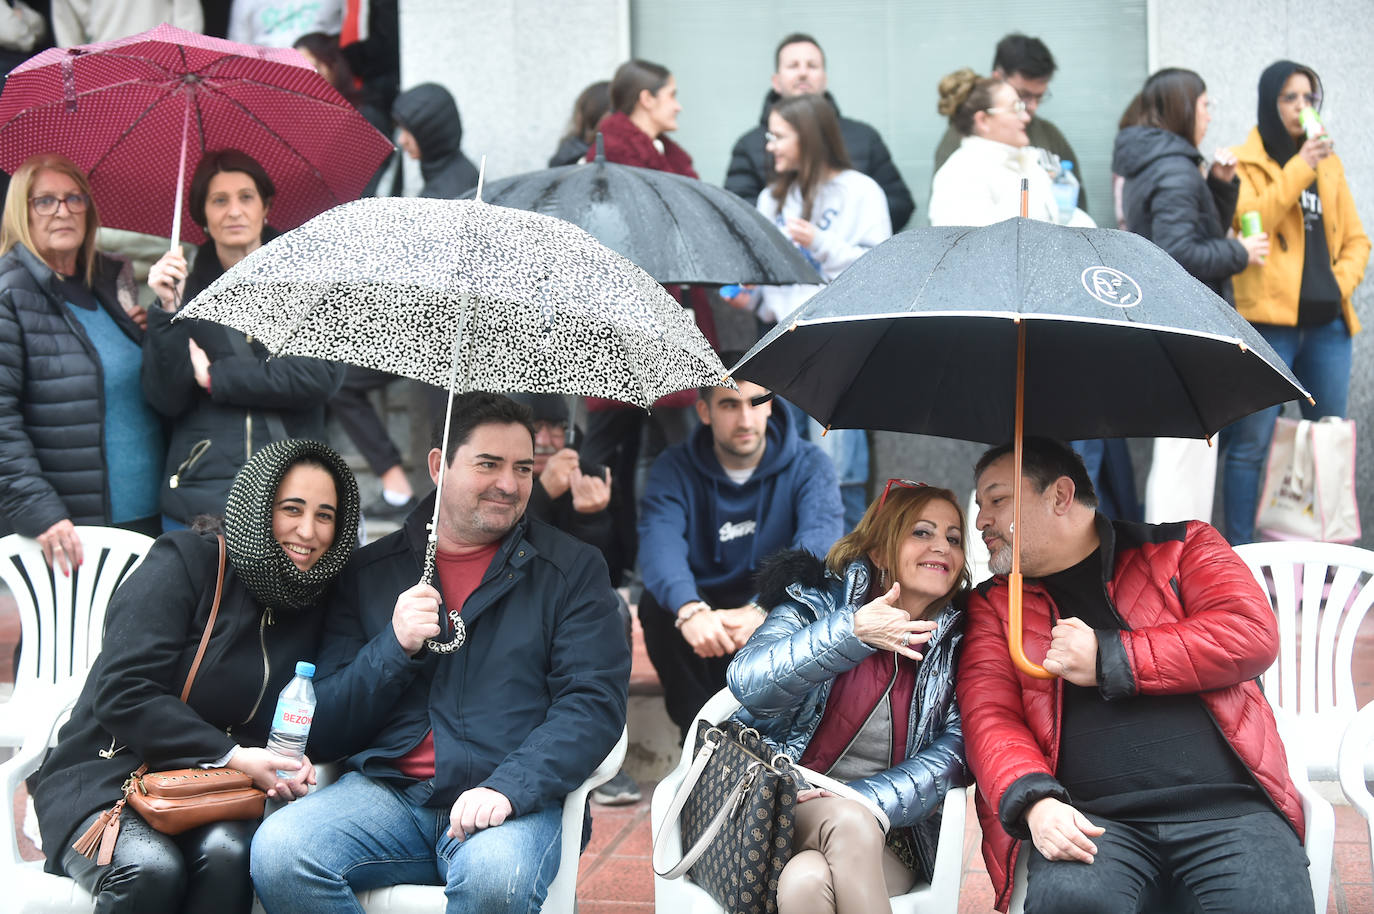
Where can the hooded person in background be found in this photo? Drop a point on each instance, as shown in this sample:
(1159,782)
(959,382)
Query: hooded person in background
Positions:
(431,132)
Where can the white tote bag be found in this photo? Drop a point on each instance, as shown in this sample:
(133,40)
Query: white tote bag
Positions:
(1309,484)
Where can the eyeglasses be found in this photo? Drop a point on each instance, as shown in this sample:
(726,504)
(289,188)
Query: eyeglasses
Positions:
(47,204)
(904,483)
(1016,107)
(772,138)
(1034,98)
(1311,99)
(549,426)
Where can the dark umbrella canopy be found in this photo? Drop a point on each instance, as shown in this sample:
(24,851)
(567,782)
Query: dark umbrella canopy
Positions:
(679,230)
(921,336)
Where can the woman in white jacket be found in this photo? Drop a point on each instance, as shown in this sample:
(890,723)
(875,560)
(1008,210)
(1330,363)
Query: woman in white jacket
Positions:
(834,215)
(980,183)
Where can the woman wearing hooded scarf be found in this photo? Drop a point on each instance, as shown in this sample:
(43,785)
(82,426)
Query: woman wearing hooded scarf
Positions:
(289,528)
(1299,299)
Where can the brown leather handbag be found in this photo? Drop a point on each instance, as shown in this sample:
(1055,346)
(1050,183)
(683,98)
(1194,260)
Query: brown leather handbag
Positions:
(179,799)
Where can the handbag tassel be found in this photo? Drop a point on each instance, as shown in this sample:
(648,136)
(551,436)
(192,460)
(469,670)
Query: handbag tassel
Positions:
(98,841)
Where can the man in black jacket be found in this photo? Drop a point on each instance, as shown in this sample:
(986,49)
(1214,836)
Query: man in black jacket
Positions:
(463,732)
(800,70)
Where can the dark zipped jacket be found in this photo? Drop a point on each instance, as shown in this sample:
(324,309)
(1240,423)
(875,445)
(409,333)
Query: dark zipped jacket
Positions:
(429,112)
(1193,621)
(132,697)
(212,434)
(1167,200)
(528,707)
(52,402)
(783,676)
(751,169)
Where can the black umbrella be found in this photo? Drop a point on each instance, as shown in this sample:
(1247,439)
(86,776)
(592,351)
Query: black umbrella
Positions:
(679,230)
(1098,333)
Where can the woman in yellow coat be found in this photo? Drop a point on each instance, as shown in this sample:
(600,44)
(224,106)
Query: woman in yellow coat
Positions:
(1299,298)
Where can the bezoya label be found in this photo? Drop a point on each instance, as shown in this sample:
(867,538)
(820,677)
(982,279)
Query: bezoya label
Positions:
(292,717)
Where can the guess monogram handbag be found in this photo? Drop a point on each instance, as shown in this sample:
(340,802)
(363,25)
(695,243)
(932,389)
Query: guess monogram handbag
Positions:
(737,806)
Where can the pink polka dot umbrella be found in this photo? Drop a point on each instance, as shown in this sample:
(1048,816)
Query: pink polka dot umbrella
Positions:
(138,113)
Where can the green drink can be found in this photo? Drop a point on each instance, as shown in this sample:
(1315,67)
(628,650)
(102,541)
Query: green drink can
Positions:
(1250,223)
(1311,123)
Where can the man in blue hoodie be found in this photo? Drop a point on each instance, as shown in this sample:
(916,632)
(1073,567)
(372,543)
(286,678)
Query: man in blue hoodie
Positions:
(743,486)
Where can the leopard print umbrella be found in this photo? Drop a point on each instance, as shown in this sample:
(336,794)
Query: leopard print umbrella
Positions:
(521,301)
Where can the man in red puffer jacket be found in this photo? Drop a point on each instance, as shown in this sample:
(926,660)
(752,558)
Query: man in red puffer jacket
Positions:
(1151,754)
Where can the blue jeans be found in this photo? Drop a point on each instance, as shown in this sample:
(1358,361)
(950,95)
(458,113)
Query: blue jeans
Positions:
(361,834)
(1320,357)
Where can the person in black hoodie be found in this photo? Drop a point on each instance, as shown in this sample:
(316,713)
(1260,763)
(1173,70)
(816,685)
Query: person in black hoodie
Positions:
(222,396)
(291,527)
(1300,300)
(800,69)
(432,132)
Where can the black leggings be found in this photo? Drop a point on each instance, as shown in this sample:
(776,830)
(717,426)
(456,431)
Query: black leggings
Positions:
(204,870)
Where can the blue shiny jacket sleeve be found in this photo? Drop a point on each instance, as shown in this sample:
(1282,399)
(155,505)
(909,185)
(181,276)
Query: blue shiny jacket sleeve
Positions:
(791,654)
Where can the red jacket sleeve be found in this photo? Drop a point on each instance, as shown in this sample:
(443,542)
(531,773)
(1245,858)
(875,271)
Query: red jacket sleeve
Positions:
(1000,746)
(1224,634)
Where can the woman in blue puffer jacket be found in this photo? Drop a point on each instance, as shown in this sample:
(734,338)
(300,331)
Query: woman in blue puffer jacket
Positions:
(852,675)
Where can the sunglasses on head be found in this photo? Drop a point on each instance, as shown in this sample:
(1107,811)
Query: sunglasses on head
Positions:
(904,483)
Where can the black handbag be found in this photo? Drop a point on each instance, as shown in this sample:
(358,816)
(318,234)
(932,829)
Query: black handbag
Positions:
(737,806)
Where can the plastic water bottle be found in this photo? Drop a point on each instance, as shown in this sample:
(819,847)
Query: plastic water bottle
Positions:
(1065,191)
(295,711)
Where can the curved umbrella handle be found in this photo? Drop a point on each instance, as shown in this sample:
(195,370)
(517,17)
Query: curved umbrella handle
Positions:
(1014,635)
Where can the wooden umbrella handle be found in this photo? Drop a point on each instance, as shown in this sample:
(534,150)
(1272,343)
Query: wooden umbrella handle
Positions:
(1015,642)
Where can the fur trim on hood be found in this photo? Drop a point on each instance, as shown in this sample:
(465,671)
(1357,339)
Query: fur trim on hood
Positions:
(784,568)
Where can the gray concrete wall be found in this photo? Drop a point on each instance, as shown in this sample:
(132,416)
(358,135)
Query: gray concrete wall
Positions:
(1229,46)
(515,67)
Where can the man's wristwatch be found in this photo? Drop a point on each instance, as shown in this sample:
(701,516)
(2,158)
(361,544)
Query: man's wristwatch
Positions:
(690,610)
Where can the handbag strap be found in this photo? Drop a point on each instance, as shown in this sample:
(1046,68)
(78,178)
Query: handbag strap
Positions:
(843,790)
(204,642)
(717,821)
(209,623)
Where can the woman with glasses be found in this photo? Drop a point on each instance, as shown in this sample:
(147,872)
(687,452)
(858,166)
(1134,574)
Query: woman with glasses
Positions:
(875,626)
(980,183)
(1167,198)
(833,214)
(1299,297)
(78,443)
(217,388)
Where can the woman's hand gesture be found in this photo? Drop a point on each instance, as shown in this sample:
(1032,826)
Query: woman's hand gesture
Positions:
(167,278)
(61,546)
(885,626)
(262,764)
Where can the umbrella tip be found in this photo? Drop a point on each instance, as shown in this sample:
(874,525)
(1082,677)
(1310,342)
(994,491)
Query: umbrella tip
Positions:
(481,178)
(600,148)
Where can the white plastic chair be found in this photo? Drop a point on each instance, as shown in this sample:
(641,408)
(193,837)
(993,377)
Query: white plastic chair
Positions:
(1319,840)
(1318,622)
(682,896)
(1354,760)
(37,892)
(62,619)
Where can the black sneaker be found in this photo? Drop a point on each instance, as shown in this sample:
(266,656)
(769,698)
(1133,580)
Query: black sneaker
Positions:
(381,509)
(620,790)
